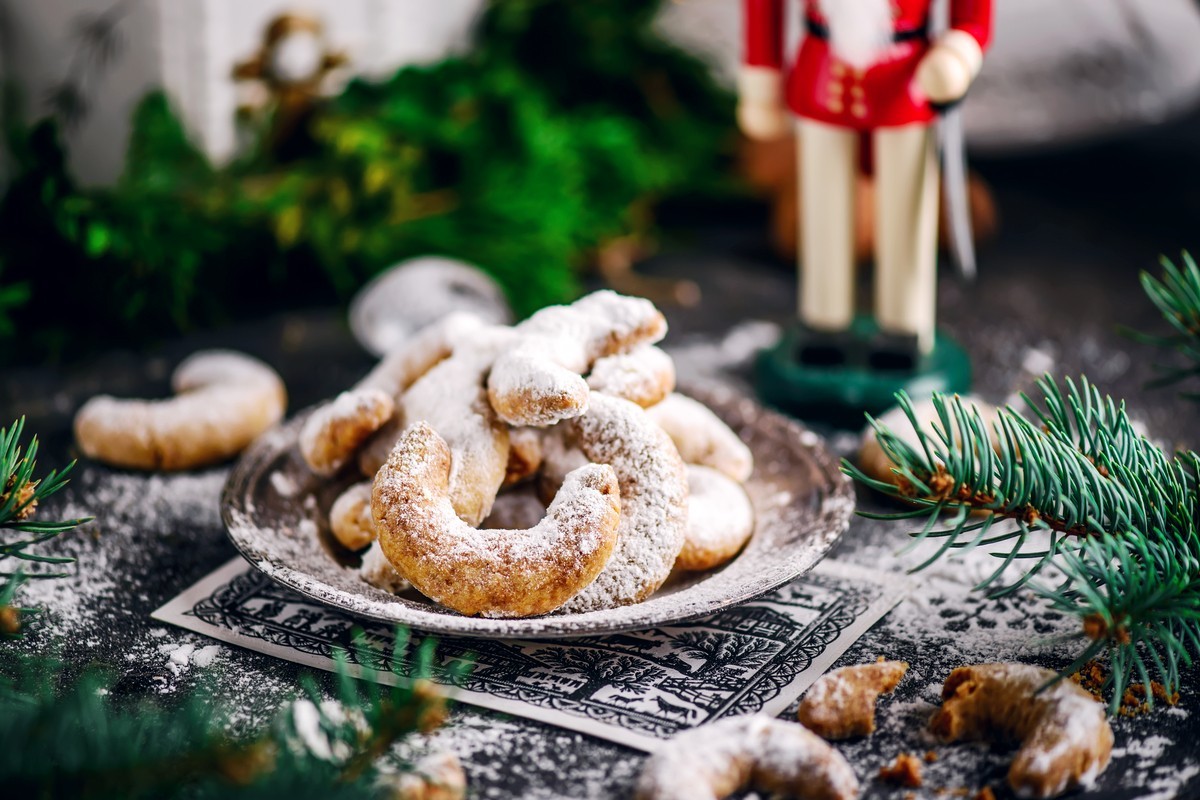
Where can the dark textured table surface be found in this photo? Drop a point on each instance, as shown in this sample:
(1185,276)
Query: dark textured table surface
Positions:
(1053,289)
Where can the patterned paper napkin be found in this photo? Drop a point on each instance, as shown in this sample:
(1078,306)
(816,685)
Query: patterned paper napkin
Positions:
(635,688)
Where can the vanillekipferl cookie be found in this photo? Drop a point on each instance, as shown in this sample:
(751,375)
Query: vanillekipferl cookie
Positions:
(714,761)
(539,379)
(336,431)
(498,573)
(702,437)
(223,401)
(654,493)
(644,375)
(720,520)
(1063,736)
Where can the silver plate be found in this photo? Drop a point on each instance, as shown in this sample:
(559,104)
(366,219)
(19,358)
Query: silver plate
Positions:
(275,511)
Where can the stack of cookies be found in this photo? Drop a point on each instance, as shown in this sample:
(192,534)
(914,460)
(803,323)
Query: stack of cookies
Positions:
(515,471)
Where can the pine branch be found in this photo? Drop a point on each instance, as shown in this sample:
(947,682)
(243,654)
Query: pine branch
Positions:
(1079,489)
(78,742)
(20,494)
(1177,297)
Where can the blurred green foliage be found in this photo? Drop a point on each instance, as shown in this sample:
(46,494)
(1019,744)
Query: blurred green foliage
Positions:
(550,137)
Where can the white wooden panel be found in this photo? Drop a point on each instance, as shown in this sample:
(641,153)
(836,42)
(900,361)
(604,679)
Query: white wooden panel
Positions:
(41,44)
(189,47)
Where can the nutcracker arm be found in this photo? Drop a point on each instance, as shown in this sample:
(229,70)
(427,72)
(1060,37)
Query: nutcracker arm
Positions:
(764,27)
(973,18)
(762,112)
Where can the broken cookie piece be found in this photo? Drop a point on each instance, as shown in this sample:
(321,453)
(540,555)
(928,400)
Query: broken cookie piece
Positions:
(841,705)
(1063,735)
(904,771)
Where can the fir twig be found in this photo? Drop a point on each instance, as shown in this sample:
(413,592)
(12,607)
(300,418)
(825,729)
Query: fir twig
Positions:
(1079,489)
(79,742)
(1177,297)
(20,494)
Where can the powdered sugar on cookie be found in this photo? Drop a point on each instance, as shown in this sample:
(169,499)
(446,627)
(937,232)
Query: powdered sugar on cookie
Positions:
(502,573)
(654,493)
(714,761)
(224,400)
(538,381)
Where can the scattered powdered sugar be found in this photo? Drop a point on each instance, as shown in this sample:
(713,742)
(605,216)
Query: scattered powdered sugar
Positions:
(1165,782)
(1146,751)
(506,757)
(283,485)
(127,507)
(169,664)
(178,657)
(205,656)
(181,656)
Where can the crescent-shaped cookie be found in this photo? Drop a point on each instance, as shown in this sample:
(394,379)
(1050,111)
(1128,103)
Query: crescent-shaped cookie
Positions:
(223,401)
(495,573)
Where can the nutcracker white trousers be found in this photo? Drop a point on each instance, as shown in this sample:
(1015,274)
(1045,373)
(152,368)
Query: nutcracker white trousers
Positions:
(906,209)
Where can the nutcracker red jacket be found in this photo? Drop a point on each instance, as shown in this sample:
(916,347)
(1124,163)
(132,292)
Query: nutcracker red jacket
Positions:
(823,88)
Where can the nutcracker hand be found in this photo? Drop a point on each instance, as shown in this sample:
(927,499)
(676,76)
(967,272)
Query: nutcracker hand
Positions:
(762,121)
(761,113)
(947,70)
(942,76)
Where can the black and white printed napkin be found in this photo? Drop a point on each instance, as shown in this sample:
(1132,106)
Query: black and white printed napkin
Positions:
(636,688)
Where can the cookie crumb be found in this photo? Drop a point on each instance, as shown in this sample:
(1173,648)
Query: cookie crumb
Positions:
(904,771)
(930,756)
(984,794)
(1134,701)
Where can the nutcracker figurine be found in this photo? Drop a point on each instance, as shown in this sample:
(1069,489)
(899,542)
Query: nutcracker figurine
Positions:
(868,86)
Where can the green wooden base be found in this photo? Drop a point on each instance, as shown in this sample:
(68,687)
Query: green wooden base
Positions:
(841,395)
